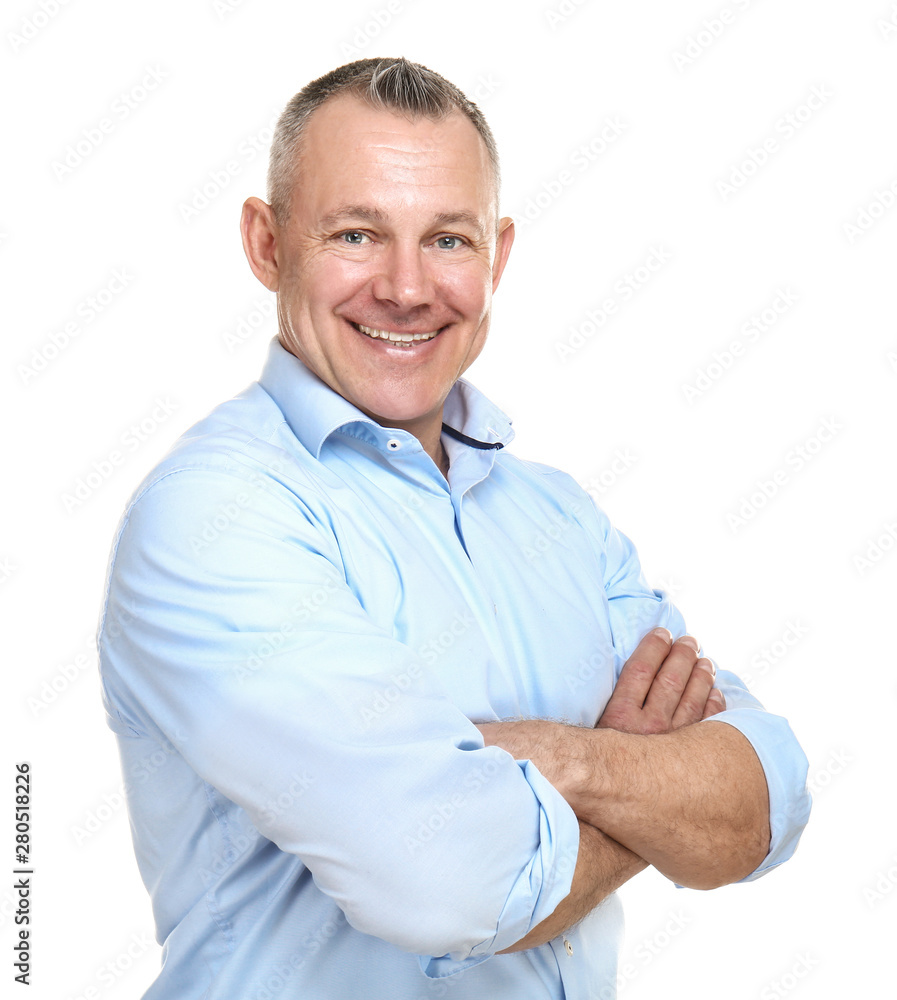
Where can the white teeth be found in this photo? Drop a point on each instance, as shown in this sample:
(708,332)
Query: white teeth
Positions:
(396,338)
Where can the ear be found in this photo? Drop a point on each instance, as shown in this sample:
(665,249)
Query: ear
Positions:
(502,249)
(260,233)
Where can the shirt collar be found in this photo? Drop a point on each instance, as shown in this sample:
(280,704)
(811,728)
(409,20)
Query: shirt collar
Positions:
(314,411)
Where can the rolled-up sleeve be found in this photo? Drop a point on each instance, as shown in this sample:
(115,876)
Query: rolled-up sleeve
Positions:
(634,609)
(230,631)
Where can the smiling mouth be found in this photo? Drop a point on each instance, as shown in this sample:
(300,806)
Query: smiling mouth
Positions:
(399,339)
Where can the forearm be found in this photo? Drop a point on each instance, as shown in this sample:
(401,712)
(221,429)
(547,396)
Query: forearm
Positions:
(602,866)
(693,803)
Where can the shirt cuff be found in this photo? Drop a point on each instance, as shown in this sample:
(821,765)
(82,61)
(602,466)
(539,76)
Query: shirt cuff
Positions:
(785,766)
(542,885)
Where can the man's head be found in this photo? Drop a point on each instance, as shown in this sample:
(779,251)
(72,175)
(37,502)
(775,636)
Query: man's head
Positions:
(383,220)
(396,85)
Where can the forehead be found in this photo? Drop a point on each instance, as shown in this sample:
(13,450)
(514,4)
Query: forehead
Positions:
(352,152)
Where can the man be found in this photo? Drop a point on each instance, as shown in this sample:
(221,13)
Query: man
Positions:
(325,600)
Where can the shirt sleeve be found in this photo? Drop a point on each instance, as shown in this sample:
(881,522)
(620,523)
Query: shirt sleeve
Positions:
(634,609)
(230,629)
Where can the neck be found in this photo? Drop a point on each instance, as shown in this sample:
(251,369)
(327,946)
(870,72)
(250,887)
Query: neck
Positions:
(431,439)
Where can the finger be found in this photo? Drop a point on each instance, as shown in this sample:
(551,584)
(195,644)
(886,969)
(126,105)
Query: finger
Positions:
(669,684)
(693,702)
(716,702)
(640,669)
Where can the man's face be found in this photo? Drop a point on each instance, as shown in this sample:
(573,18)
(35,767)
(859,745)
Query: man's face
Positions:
(392,234)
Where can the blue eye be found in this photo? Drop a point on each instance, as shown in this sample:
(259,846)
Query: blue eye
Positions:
(449,242)
(354,237)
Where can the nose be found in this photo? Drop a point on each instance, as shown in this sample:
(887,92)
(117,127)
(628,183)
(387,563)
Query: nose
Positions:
(404,277)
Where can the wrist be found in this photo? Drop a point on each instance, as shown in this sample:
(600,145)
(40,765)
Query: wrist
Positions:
(609,775)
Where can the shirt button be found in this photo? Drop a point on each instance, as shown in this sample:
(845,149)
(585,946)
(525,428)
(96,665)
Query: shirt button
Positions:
(393,444)
(568,947)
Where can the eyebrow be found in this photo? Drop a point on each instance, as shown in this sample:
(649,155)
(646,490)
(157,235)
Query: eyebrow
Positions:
(365,213)
(352,213)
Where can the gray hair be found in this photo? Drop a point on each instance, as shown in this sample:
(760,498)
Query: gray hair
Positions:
(389,84)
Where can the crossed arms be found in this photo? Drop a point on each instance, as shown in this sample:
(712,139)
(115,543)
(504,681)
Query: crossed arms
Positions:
(648,786)
(193,663)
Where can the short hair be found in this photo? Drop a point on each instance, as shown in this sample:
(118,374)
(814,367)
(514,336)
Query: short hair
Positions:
(397,85)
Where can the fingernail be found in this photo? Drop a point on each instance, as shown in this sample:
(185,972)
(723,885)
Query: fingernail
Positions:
(664,633)
(708,665)
(689,640)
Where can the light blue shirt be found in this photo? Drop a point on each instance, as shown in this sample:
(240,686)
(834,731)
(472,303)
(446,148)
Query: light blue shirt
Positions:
(302,618)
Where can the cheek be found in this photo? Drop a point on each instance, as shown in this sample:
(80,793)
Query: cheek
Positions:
(332,282)
(469,288)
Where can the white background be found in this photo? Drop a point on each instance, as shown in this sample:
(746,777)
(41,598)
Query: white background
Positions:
(185,325)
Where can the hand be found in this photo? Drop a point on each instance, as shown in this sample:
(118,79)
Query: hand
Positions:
(664,685)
